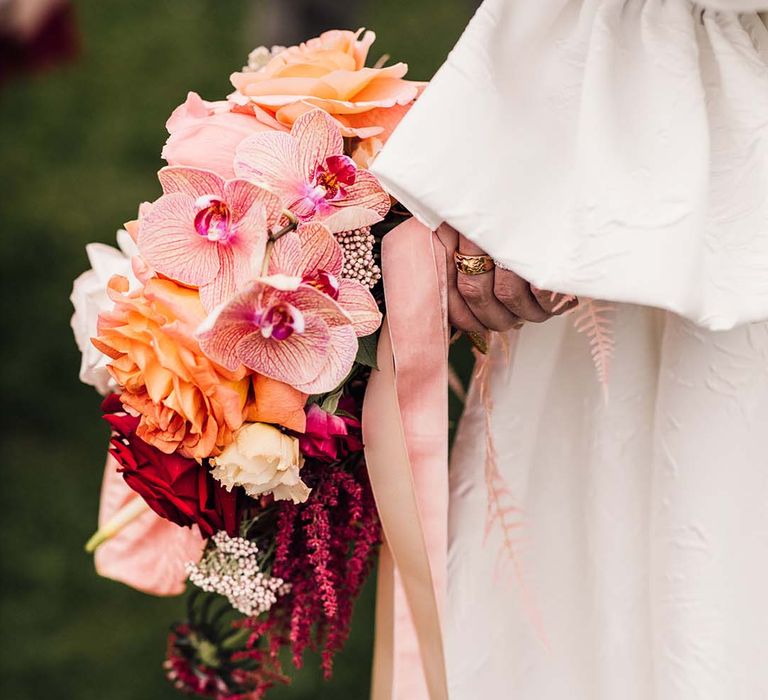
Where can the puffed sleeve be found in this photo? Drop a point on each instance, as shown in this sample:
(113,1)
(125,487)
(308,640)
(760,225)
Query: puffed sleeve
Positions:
(611,149)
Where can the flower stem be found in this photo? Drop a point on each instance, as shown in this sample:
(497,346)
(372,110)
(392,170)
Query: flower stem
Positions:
(127,514)
(293,222)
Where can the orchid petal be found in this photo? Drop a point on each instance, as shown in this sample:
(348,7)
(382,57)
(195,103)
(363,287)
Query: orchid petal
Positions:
(296,359)
(241,196)
(272,160)
(169,242)
(282,282)
(308,250)
(249,242)
(359,303)
(220,333)
(286,256)
(318,137)
(311,300)
(366,192)
(350,219)
(223,286)
(192,181)
(321,251)
(342,350)
(249,258)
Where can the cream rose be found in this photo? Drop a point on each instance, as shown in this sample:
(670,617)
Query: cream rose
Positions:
(262,460)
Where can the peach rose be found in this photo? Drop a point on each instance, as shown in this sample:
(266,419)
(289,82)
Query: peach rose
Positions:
(329,72)
(186,401)
(206,134)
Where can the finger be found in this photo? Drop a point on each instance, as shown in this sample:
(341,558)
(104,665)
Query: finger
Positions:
(554,303)
(459,314)
(477,292)
(516,295)
(448,236)
(468,247)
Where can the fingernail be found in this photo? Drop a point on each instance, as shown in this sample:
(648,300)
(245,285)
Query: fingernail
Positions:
(479,341)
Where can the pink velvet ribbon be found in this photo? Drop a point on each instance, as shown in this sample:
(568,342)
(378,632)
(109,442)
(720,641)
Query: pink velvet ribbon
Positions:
(405,430)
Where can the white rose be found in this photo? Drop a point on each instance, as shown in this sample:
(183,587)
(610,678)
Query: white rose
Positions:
(89,297)
(262,460)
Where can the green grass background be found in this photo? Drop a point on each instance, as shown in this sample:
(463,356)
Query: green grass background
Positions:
(79,148)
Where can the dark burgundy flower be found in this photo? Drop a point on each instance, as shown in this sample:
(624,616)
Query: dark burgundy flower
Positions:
(51,39)
(175,487)
(330,437)
(210,663)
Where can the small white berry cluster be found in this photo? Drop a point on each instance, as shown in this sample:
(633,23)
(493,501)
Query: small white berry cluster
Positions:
(231,569)
(260,56)
(359,262)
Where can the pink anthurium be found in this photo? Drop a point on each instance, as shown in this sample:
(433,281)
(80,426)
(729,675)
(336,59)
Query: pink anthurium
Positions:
(308,170)
(283,329)
(148,552)
(208,232)
(312,254)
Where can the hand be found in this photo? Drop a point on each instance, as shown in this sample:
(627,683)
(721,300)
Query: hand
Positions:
(496,300)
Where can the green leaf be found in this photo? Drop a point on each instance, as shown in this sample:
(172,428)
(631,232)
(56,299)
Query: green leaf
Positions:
(331,401)
(366,350)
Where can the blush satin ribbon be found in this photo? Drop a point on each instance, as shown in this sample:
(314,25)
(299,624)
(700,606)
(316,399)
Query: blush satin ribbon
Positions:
(405,430)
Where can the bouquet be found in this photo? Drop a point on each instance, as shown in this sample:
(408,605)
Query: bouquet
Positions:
(232,335)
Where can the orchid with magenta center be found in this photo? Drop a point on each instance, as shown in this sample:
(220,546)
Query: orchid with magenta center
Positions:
(208,232)
(331,177)
(280,321)
(308,170)
(239,343)
(313,254)
(283,329)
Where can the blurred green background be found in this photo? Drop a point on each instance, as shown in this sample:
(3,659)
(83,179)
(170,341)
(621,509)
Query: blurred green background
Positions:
(79,147)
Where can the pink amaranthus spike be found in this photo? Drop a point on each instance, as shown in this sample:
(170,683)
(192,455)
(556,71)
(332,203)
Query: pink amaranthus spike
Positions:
(313,254)
(283,329)
(308,170)
(208,232)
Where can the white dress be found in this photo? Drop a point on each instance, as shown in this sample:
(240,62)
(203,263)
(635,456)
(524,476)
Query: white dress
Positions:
(617,149)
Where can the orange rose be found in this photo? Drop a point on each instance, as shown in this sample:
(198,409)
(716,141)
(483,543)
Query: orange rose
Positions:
(186,402)
(329,72)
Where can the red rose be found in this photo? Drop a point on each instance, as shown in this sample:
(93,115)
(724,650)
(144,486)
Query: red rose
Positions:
(175,487)
(330,437)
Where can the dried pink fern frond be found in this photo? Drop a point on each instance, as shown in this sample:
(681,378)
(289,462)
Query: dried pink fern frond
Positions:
(566,299)
(594,319)
(502,511)
(501,507)
(456,385)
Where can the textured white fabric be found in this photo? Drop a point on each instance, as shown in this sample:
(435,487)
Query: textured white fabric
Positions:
(644,522)
(616,149)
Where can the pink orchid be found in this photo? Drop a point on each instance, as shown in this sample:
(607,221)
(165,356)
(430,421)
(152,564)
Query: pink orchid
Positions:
(283,329)
(308,170)
(208,232)
(313,254)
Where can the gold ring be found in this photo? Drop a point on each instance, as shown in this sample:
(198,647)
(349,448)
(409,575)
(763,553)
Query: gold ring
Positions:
(473,264)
